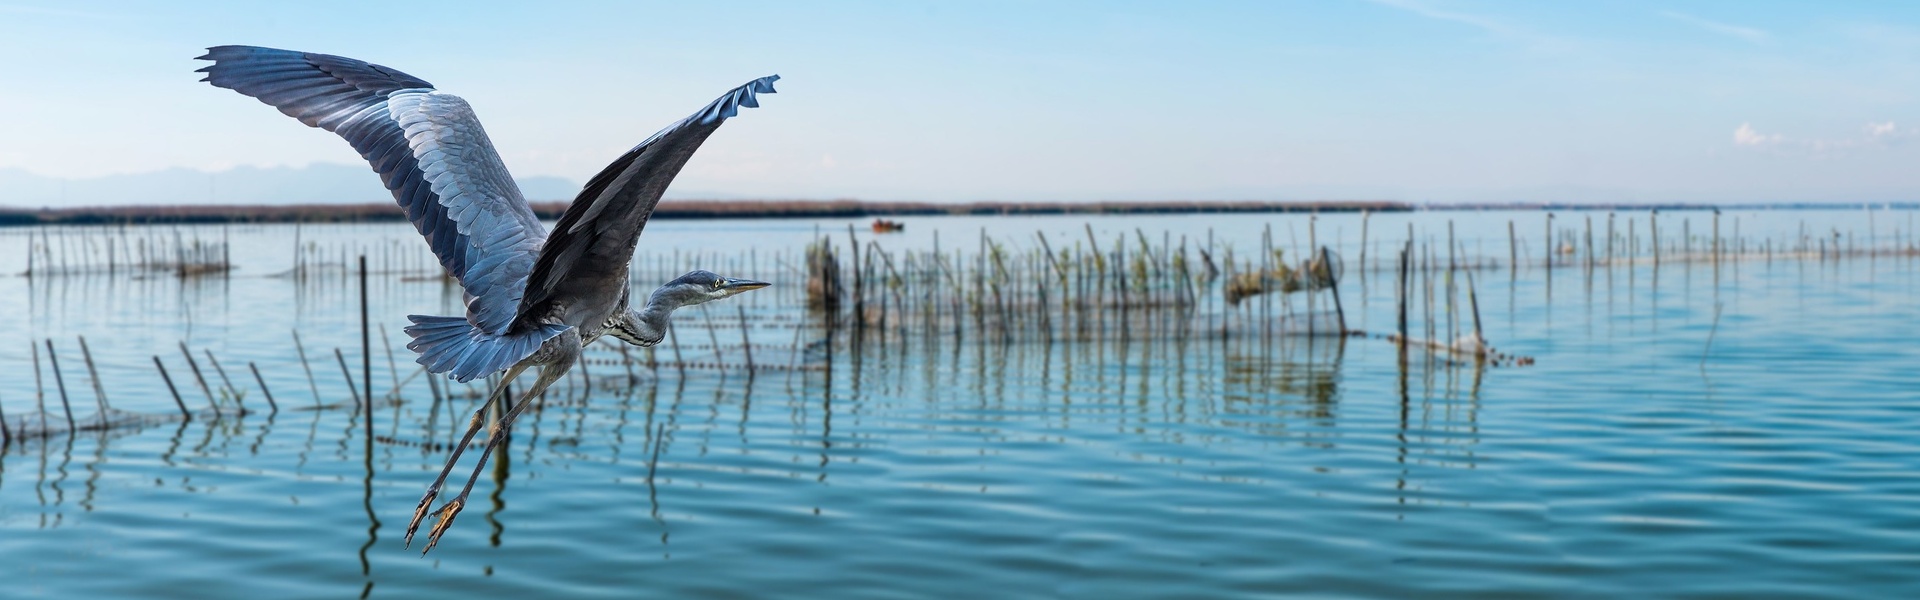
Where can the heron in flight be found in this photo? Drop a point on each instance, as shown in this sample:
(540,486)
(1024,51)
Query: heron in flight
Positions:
(533,298)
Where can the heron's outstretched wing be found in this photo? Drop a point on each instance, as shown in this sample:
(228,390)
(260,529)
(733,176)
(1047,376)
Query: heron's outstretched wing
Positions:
(594,240)
(429,150)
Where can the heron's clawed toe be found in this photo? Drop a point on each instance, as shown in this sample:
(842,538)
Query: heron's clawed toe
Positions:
(442,521)
(420,512)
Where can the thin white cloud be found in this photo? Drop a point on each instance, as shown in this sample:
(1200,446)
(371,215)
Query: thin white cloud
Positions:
(1493,25)
(1749,34)
(1429,11)
(1745,135)
(1875,134)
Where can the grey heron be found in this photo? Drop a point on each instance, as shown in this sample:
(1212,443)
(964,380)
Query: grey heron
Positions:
(532,298)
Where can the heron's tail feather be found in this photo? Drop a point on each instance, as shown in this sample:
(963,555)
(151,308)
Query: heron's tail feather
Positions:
(454,346)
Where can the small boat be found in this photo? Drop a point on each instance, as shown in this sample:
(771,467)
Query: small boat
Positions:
(886,226)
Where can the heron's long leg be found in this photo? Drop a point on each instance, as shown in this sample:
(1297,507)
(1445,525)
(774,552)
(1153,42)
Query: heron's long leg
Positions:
(444,518)
(473,427)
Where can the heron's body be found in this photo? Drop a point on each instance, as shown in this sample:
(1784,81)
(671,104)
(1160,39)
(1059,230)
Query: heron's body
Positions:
(533,298)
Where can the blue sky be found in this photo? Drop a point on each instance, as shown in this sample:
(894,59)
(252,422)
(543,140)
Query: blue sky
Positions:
(1419,100)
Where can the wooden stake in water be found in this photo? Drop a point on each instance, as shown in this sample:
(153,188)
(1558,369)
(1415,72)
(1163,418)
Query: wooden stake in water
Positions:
(1406,294)
(1426,288)
(746,344)
(1653,235)
(859,282)
(1333,285)
(1549,237)
(1513,251)
(1716,236)
(680,360)
(60,382)
(199,378)
(713,337)
(171,389)
(1549,264)
(271,405)
(232,392)
(1474,300)
(366,341)
(1364,214)
(99,392)
(348,375)
(302,349)
(1589,243)
(39,387)
(1610,241)
(1453,296)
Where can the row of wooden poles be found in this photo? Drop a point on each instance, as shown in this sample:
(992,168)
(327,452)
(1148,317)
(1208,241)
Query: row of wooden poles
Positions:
(121,248)
(225,397)
(1419,263)
(1619,243)
(1084,288)
(114,250)
(227,389)
(135,249)
(232,392)
(1069,289)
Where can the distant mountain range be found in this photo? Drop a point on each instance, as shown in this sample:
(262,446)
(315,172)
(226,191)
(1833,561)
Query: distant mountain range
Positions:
(344,184)
(319,183)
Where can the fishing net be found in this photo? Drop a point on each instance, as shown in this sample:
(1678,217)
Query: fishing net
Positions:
(39,424)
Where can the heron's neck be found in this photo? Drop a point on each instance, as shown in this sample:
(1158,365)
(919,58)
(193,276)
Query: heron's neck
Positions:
(653,318)
(647,325)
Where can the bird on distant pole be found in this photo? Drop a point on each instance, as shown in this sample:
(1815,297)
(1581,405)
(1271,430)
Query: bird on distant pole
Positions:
(533,298)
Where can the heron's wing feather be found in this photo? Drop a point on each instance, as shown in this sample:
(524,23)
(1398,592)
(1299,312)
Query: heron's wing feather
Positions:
(496,234)
(429,150)
(453,346)
(594,240)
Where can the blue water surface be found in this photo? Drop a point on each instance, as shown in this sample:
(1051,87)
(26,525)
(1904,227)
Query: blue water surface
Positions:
(1734,428)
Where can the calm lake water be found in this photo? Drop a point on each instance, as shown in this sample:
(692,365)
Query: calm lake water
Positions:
(1740,428)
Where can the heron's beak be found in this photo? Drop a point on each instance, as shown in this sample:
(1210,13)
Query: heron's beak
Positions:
(735,286)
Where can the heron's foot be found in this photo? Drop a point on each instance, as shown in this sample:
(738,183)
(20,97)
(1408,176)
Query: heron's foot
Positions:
(420,512)
(442,521)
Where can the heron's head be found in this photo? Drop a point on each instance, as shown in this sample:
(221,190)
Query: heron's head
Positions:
(700,286)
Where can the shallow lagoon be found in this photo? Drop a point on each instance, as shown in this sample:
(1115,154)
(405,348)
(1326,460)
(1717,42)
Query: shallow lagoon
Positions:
(1634,457)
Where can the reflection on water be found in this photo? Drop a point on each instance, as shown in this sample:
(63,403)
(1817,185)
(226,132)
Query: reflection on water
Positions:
(1123,456)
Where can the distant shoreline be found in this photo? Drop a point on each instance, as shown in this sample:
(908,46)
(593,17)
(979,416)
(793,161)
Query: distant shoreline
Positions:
(789,209)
